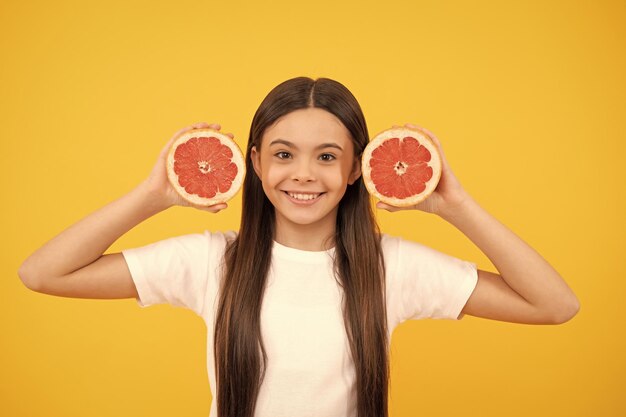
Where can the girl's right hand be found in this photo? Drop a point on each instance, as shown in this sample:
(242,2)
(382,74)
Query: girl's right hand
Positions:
(158,185)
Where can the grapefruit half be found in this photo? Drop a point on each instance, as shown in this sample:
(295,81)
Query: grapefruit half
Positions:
(205,167)
(401,166)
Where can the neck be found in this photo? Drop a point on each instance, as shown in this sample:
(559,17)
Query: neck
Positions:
(309,237)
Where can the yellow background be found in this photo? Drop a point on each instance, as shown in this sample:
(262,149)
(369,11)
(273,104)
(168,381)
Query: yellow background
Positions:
(528,99)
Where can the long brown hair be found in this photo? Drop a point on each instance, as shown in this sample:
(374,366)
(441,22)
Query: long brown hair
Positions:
(239,353)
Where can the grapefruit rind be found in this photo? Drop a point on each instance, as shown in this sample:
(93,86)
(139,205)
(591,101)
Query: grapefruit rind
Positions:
(237,158)
(434,163)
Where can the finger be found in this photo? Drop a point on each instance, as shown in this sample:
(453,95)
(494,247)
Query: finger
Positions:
(420,128)
(199,125)
(187,129)
(385,206)
(231,135)
(214,208)
(428,133)
(424,131)
(431,134)
(181,131)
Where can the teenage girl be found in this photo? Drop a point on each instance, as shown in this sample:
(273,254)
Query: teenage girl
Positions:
(302,301)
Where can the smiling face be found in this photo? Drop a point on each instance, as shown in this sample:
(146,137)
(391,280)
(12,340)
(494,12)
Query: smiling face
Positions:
(305,164)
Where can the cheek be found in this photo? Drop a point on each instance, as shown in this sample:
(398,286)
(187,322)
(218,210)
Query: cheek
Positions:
(346,170)
(337,177)
(275,173)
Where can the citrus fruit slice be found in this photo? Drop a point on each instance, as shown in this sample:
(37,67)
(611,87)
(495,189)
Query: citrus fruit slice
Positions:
(205,167)
(401,166)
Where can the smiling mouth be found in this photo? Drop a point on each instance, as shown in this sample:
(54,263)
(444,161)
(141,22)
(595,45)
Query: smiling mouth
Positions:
(303,196)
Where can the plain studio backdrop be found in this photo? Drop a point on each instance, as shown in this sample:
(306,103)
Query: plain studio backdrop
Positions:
(527,98)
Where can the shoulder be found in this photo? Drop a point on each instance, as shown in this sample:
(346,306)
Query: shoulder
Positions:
(207,236)
(216,241)
(392,246)
(406,255)
(220,237)
(188,245)
(423,282)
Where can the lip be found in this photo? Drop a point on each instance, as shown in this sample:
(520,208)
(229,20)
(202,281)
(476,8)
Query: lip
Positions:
(302,192)
(303,202)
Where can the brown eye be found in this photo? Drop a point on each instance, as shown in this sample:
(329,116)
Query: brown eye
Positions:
(283,155)
(327,157)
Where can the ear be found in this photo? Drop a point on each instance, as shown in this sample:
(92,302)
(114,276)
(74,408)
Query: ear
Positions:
(255,156)
(356,171)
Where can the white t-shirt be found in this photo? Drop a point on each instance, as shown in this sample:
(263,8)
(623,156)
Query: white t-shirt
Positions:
(309,370)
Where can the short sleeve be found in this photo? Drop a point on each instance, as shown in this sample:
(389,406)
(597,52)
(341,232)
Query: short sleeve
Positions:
(177,270)
(425,283)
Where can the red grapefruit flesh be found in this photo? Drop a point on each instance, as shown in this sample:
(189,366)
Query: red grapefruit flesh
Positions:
(205,167)
(401,166)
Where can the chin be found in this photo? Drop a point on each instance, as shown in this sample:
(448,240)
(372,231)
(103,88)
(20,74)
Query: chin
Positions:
(302,221)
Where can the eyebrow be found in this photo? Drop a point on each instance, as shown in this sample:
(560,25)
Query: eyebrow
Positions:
(293,145)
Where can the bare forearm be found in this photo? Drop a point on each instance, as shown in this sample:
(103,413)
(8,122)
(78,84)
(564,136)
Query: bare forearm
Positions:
(523,269)
(86,240)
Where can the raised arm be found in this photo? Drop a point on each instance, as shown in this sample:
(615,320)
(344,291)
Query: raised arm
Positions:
(72,264)
(527,289)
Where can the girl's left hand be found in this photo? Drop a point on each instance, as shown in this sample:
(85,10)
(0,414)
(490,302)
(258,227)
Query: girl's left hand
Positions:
(448,194)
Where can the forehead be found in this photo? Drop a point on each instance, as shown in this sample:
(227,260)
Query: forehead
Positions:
(306,128)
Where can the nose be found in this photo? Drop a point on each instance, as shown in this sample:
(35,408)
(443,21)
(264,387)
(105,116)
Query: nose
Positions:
(303,172)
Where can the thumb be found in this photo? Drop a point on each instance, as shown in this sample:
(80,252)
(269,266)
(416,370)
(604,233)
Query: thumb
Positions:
(215,208)
(166,148)
(385,206)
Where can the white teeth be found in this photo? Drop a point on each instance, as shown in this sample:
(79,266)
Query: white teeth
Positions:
(303,196)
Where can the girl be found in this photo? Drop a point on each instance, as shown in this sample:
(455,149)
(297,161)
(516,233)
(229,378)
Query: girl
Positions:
(302,301)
